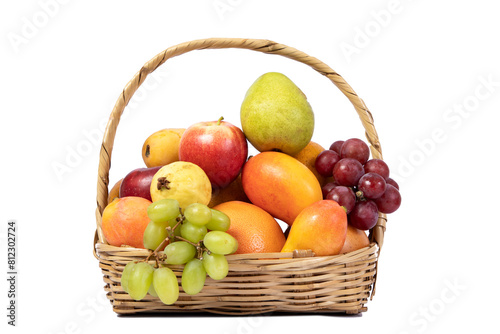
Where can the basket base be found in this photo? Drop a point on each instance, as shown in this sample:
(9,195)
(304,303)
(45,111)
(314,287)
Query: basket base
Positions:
(201,314)
(257,284)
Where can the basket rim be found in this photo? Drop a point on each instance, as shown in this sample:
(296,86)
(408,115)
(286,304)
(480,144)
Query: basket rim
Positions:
(296,254)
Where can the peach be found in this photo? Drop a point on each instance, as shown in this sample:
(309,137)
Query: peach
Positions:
(124,221)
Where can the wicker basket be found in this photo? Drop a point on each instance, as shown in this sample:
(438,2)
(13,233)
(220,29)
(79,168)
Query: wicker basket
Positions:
(256,283)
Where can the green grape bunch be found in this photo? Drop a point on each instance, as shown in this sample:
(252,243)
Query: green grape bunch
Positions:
(195,238)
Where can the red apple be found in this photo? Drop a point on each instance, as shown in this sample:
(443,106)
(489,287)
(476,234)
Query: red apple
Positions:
(218,147)
(138,183)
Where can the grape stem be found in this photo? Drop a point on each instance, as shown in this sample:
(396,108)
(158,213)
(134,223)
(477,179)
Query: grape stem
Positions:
(186,240)
(155,252)
(171,236)
(359,196)
(199,248)
(179,221)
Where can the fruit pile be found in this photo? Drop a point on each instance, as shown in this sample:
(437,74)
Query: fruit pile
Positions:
(201,197)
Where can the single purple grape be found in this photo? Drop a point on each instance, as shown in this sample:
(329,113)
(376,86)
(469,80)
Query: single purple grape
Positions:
(377,166)
(328,187)
(371,185)
(355,148)
(337,146)
(392,183)
(390,200)
(325,161)
(347,172)
(345,196)
(364,216)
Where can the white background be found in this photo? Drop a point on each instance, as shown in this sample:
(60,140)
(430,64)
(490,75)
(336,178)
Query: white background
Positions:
(429,72)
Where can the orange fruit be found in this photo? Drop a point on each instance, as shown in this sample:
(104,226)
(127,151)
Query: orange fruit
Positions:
(115,191)
(255,229)
(308,157)
(124,221)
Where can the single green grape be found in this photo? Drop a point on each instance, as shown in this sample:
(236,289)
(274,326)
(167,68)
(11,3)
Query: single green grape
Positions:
(193,277)
(193,233)
(152,290)
(154,234)
(166,285)
(163,210)
(126,275)
(216,265)
(179,252)
(139,280)
(219,222)
(198,214)
(219,242)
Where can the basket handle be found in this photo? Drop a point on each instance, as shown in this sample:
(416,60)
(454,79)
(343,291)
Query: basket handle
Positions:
(261,45)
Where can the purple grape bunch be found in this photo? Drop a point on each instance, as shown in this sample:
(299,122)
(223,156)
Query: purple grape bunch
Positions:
(361,185)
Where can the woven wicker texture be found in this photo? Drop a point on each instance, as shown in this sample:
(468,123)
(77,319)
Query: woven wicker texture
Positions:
(256,283)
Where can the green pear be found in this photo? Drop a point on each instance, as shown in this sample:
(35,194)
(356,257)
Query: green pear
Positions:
(275,115)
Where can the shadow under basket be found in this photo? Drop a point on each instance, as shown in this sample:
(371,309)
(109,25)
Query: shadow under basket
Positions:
(296,282)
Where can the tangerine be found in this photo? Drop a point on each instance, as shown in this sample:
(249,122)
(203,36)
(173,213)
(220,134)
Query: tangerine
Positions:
(255,229)
(308,157)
